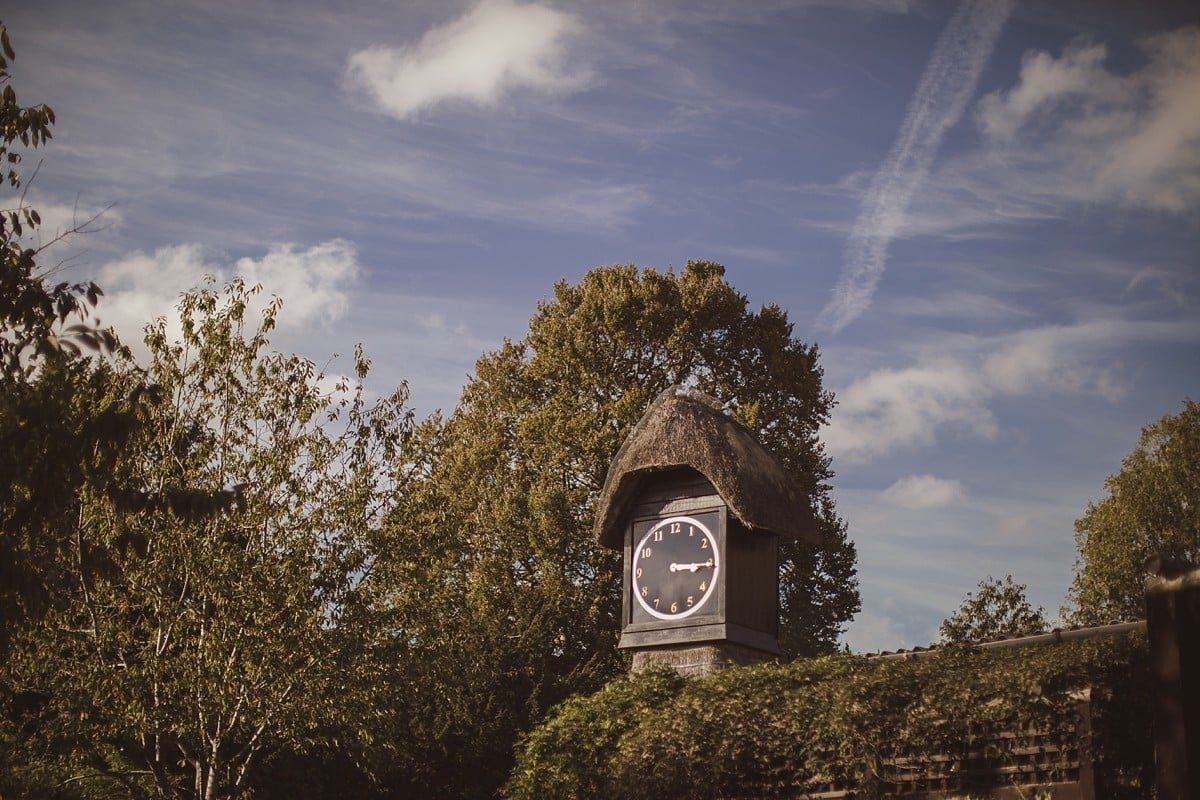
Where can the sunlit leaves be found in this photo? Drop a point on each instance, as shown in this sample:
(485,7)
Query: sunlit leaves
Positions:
(1152,509)
(211,637)
(33,309)
(997,609)
(788,731)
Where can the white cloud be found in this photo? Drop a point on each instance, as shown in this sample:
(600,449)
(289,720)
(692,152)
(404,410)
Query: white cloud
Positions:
(1170,284)
(61,219)
(875,631)
(312,283)
(1044,81)
(1064,359)
(939,102)
(1071,131)
(891,409)
(495,48)
(920,492)
(949,389)
(957,304)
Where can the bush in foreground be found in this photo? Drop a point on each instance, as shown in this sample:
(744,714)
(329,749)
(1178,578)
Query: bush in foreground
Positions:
(781,731)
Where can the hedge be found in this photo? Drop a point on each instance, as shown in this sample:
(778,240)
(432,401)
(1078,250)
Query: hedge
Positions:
(782,730)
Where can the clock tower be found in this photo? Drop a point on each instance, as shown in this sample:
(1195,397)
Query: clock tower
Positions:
(698,507)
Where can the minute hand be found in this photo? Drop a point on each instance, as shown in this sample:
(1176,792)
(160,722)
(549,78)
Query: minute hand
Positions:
(692,567)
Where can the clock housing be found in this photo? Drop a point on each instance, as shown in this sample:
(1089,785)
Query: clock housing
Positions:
(689,460)
(720,578)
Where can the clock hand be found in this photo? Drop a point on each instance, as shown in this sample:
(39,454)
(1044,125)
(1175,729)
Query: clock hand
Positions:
(692,567)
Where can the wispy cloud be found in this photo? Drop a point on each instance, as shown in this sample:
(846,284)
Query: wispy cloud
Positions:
(1074,134)
(60,219)
(496,48)
(899,408)
(951,304)
(1071,129)
(924,491)
(1169,283)
(1025,531)
(941,98)
(312,283)
(896,408)
(431,341)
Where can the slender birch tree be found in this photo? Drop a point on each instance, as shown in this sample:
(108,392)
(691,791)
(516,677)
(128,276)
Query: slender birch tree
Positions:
(207,642)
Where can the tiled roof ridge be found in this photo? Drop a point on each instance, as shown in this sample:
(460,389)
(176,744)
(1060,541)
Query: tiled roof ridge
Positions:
(1069,633)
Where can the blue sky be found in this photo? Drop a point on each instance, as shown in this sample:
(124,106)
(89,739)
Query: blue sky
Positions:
(985,213)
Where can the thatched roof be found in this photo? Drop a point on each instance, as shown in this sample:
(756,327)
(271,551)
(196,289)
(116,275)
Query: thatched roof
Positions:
(685,428)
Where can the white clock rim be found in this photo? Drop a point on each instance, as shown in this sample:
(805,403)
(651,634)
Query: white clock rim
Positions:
(712,583)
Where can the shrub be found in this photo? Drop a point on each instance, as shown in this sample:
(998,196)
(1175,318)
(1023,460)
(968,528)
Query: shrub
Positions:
(834,722)
(568,755)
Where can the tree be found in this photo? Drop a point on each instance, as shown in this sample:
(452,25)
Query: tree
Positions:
(52,436)
(1152,509)
(61,427)
(499,538)
(996,610)
(33,309)
(210,642)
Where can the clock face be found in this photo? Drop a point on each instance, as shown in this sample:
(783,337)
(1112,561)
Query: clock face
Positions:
(675,568)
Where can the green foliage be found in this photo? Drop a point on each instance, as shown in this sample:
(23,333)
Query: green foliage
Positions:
(776,731)
(64,419)
(1152,509)
(499,540)
(997,609)
(59,431)
(208,642)
(33,309)
(568,755)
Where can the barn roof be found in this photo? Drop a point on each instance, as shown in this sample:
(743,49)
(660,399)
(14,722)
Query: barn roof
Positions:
(687,428)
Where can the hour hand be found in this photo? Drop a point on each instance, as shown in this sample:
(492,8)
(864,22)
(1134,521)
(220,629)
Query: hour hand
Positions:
(692,567)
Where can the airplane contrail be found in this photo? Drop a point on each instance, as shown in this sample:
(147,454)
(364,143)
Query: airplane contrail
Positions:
(941,98)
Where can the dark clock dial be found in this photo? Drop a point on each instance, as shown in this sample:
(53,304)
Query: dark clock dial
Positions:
(675,568)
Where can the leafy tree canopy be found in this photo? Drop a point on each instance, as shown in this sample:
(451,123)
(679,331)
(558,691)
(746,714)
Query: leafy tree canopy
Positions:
(209,642)
(32,307)
(60,427)
(1152,509)
(500,543)
(997,609)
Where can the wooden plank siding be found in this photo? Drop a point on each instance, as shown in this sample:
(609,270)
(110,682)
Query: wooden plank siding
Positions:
(1011,764)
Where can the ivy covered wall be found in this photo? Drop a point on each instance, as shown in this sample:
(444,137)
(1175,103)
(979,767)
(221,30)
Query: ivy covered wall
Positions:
(845,722)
